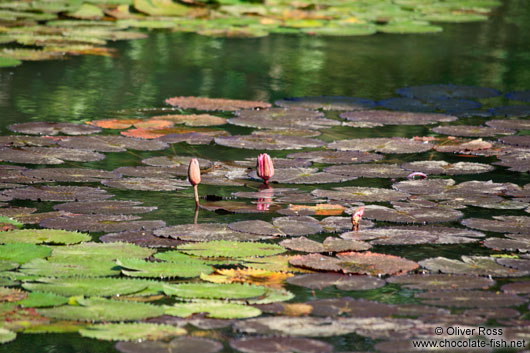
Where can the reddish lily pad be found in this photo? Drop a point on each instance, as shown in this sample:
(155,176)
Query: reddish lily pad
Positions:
(517,161)
(517,264)
(77,175)
(280,345)
(522,245)
(445,168)
(520,141)
(34,141)
(118,124)
(382,170)
(112,207)
(470,299)
(268,142)
(184,344)
(337,157)
(330,244)
(351,307)
(472,265)
(52,129)
(357,193)
(342,282)
(383,145)
(207,232)
(441,282)
(471,131)
(511,224)
(100,223)
(397,118)
(48,155)
(327,103)
(144,238)
(146,184)
(279,118)
(112,143)
(212,104)
(193,119)
(463,146)
(59,193)
(511,124)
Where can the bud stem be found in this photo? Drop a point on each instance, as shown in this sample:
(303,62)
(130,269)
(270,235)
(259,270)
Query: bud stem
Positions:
(196,191)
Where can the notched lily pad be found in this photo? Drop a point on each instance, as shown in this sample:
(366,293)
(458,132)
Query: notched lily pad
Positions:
(510,124)
(441,282)
(303,176)
(232,249)
(358,193)
(131,331)
(280,345)
(212,104)
(381,144)
(99,251)
(23,252)
(40,236)
(268,142)
(375,170)
(141,268)
(42,300)
(144,238)
(214,290)
(193,119)
(214,309)
(396,118)
(48,155)
(339,103)
(445,168)
(279,118)
(102,287)
(342,282)
(52,129)
(176,161)
(516,288)
(471,265)
(471,130)
(517,244)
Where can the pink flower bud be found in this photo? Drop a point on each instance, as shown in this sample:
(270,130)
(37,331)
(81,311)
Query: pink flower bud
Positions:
(417,174)
(194,172)
(356,218)
(265,167)
(359,213)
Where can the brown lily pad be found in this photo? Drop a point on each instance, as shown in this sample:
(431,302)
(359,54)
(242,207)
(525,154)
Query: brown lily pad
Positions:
(48,155)
(268,142)
(471,130)
(212,104)
(411,214)
(100,223)
(52,128)
(351,307)
(381,144)
(280,345)
(193,138)
(77,175)
(382,170)
(339,103)
(520,141)
(445,168)
(510,224)
(33,141)
(112,143)
(59,193)
(342,282)
(207,232)
(146,184)
(463,146)
(472,265)
(337,157)
(424,186)
(330,244)
(111,207)
(144,238)
(385,117)
(441,282)
(183,344)
(279,118)
(176,161)
(522,245)
(362,194)
(303,176)
(282,226)
(336,224)
(470,299)
(512,124)
(151,172)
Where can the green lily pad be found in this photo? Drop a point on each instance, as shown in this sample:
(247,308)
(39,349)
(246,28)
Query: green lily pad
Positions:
(6,335)
(42,299)
(77,268)
(131,332)
(409,27)
(8,265)
(342,31)
(140,268)
(40,236)
(99,309)
(102,287)
(9,62)
(214,309)
(160,7)
(98,251)
(87,12)
(23,252)
(214,290)
(234,249)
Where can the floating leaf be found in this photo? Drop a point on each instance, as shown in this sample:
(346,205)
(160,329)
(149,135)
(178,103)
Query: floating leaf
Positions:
(42,299)
(99,309)
(342,282)
(104,207)
(471,265)
(214,290)
(103,287)
(271,279)
(98,251)
(383,145)
(442,167)
(279,118)
(511,224)
(39,236)
(118,124)
(48,155)
(232,249)
(145,184)
(206,232)
(470,299)
(100,223)
(356,193)
(140,268)
(396,118)
(9,62)
(279,345)
(327,103)
(23,252)
(409,27)
(516,288)
(268,142)
(209,104)
(369,170)
(336,157)
(442,282)
(176,161)
(52,129)
(214,309)
(322,209)
(11,294)
(471,131)
(6,335)
(330,244)
(131,332)
(141,238)
(515,244)
(178,345)
(70,174)
(111,143)
(74,268)
(59,193)
(193,119)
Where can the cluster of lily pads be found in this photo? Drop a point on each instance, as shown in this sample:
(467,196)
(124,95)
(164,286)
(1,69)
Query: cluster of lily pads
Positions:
(46,29)
(76,258)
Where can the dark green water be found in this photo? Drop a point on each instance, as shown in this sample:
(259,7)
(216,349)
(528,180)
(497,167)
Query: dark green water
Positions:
(145,72)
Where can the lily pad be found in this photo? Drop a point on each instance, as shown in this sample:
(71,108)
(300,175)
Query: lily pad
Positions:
(141,268)
(280,345)
(212,104)
(280,118)
(112,143)
(99,309)
(445,168)
(11,294)
(396,118)
(451,105)
(9,62)
(100,223)
(448,91)
(131,331)
(41,299)
(6,335)
(521,244)
(330,244)
(59,193)
(471,265)
(282,226)
(103,287)
(381,144)
(523,96)
(144,238)
(112,207)
(441,282)
(214,290)
(176,161)
(303,176)
(339,103)
(343,224)
(336,157)
(268,142)
(471,131)
(97,251)
(75,268)
(517,264)
(214,309)
(232,249)
(521,141)
(357,193)
(463,146)
(412,214)
(183,344)
(423,186)
(48,155)
(151,172)
(40,236)
(77,175)
(193,119)
(23,252)
(207,232)
(510,124)
(511,111)
(470,299)
(347,306)
(516,288)
(511,224)
(146,184)
(342,282)
(382,170)
(52,129)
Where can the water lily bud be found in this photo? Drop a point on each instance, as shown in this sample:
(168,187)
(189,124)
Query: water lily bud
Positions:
(194,172)
(265,167)
(356,218)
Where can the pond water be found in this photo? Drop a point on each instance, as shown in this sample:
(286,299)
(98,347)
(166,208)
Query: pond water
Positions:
(144,73)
